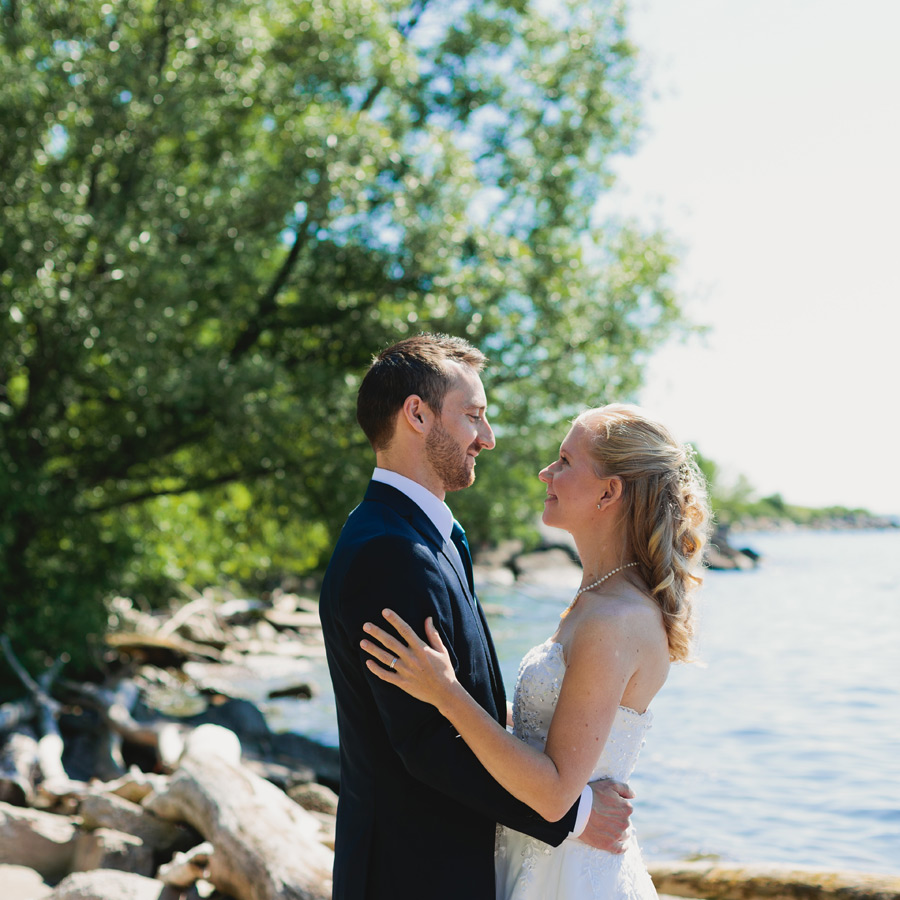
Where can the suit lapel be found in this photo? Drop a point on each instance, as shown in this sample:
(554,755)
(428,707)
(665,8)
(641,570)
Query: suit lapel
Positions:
(453,557)
(412,512)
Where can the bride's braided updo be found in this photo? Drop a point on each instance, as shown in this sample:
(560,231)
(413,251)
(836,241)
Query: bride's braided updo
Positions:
(665,512)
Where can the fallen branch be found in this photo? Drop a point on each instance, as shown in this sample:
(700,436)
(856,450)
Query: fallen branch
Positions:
(55,780)
(172,649)
(37,692)
(200,605)
(114,706)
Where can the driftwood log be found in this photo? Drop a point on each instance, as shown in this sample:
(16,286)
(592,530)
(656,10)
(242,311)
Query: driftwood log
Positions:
(266,847)
(723,882)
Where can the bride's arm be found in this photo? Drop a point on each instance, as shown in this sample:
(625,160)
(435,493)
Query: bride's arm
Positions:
(599,668)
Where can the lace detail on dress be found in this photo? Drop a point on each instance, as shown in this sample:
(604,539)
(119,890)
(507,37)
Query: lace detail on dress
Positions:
(537,690)
(539,682)
(529,869)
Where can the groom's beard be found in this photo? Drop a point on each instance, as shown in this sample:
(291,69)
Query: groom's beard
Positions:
(449,461)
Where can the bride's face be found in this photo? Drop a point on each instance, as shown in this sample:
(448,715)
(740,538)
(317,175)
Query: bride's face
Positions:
(573,487)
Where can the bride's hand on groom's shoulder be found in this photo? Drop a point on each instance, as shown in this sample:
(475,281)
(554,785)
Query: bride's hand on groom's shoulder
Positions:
(423,670)
(607,827)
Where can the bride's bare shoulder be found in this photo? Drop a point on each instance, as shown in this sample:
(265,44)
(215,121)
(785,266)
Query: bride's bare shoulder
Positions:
(627,616)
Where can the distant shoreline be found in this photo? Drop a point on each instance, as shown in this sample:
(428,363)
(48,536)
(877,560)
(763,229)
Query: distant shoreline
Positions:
(851,522)
(509,561)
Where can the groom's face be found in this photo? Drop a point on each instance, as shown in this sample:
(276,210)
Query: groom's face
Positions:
(461,432)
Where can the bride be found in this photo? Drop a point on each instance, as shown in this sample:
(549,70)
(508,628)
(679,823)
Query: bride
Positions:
(634,502)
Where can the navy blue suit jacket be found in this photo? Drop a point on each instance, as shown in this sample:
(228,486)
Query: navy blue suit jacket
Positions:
(417,811)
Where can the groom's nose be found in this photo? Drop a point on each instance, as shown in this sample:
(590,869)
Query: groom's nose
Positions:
(486,435)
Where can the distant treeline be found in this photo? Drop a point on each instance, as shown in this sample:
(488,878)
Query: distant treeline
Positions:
(737,505)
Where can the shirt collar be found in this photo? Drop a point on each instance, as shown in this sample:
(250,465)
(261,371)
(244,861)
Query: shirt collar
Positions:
(435,509)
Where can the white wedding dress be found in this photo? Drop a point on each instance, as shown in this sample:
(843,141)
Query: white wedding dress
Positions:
(529,869)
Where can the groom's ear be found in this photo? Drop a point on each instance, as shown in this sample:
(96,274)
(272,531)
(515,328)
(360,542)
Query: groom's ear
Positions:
(416,413)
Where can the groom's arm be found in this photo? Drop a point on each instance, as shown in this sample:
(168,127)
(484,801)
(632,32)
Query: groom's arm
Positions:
(394,572)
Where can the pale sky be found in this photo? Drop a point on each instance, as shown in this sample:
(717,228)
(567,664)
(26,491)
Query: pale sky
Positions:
(772,156)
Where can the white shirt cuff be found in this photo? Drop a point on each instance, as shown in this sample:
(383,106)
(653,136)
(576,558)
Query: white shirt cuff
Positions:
(584,812)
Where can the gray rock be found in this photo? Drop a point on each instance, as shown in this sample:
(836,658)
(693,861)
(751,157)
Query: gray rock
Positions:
(38,840)
(107,884)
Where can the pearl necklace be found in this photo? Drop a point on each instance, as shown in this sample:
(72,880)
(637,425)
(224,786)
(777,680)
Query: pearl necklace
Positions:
(596,583)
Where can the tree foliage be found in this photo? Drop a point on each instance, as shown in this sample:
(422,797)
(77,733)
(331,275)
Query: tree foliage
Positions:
(214,214)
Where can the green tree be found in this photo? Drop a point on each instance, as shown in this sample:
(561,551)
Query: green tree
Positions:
(212,216)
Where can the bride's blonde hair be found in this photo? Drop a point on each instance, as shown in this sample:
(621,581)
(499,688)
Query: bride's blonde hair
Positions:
(666,510)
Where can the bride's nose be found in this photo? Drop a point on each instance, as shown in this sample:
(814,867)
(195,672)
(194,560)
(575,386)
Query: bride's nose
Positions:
(545,474)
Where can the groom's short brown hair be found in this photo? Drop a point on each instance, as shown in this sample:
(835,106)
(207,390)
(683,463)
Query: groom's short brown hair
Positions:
(416,365)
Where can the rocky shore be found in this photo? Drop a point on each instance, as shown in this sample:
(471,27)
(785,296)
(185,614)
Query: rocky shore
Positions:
(165,781)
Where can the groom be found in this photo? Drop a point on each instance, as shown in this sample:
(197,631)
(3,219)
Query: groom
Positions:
(417,812)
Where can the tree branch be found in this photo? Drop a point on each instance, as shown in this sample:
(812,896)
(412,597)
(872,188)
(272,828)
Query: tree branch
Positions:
(164,32)
(268,304)
(38,694)
(404,31)
(150,494)
(413,20)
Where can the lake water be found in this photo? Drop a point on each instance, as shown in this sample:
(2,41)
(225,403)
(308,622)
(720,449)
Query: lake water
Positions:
(784,745)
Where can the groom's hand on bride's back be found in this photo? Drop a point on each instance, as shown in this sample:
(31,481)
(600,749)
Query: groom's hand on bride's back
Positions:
(610,813)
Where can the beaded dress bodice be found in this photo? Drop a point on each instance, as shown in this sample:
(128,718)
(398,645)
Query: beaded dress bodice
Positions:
(528,869)
(540,678)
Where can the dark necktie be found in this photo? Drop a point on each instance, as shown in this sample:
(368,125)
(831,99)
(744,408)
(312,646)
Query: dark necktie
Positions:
(458,536)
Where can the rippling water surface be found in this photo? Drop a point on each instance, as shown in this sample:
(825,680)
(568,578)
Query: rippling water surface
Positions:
(784,745)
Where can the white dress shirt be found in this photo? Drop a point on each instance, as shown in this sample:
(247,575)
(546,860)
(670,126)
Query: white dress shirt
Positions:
(442,517)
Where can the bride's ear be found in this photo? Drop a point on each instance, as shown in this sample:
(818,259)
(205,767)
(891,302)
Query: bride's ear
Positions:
(612,490)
